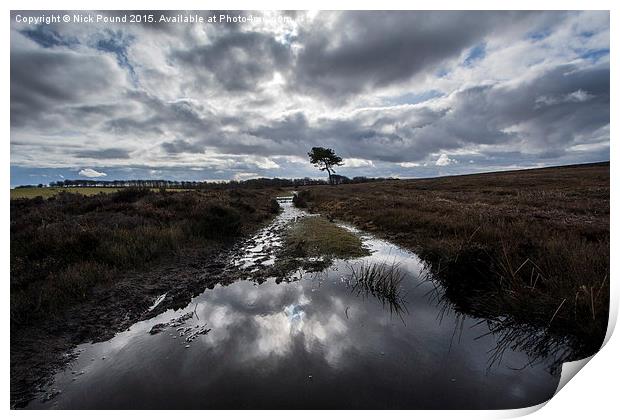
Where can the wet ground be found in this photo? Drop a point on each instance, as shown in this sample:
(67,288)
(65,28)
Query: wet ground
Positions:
(314,341)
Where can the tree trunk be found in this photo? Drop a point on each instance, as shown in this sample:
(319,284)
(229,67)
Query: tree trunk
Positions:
(329,174)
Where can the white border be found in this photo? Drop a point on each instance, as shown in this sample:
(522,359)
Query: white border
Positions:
(592,394)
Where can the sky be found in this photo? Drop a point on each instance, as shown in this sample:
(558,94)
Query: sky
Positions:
(396,94)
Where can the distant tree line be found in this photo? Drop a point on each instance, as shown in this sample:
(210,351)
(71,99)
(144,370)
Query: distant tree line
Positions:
(250,183)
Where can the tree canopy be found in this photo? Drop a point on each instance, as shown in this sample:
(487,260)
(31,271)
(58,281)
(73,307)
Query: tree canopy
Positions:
(325,160)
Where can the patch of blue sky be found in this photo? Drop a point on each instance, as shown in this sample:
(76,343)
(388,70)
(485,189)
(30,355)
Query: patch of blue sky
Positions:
(539,35)
(593,55)
(443,72)
(117,44)
(48,38)
(412,98)
(475,54)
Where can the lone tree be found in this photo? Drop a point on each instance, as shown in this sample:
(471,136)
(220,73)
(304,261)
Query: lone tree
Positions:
(325,160)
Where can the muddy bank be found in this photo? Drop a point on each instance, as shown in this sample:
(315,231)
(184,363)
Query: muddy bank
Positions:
(363,333)
(295,242)
(42,341)
(63,247)
(37,351)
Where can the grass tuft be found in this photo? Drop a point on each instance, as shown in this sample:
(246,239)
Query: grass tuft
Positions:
(381,280)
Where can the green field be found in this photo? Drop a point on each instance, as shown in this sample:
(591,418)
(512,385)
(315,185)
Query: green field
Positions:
(32,192)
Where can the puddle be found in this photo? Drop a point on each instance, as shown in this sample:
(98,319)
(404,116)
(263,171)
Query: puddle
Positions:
(310,343)
(260,250)
(159,300)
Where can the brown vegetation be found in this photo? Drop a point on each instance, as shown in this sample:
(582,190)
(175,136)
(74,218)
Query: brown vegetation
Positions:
(63,246)
(530,245)
(84,267)
(381,280)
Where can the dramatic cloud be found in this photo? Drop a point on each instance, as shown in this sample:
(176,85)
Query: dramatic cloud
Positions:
(394,93)
(354,52)
(236,61)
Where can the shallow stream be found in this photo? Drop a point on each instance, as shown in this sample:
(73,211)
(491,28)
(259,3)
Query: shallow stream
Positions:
(312,342)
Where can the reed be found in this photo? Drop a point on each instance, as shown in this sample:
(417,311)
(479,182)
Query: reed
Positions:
(381,280)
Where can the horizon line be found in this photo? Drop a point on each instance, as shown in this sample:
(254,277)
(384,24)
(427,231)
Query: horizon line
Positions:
(379,178)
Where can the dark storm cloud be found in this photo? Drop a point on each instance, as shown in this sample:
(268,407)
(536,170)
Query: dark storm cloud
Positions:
(359,51)
(290,128)
(132,125)
(552,111)
(42,80)
(157,114)
(366,135)
(182,146)
(111,153)
(237,60)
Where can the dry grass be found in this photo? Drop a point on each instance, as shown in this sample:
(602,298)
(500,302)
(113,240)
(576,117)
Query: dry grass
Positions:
(532,245)
(64,245)
(381,280)
(32,192)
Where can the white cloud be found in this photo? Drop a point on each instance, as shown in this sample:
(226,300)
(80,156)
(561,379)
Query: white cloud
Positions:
(409,164)
(579,96)
(263,163)
(357,163)
(91,173)
(240,176)
(444,160)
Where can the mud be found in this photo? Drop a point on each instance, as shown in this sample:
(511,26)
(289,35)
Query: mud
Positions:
(192,288)
(37,352)
(365,333)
